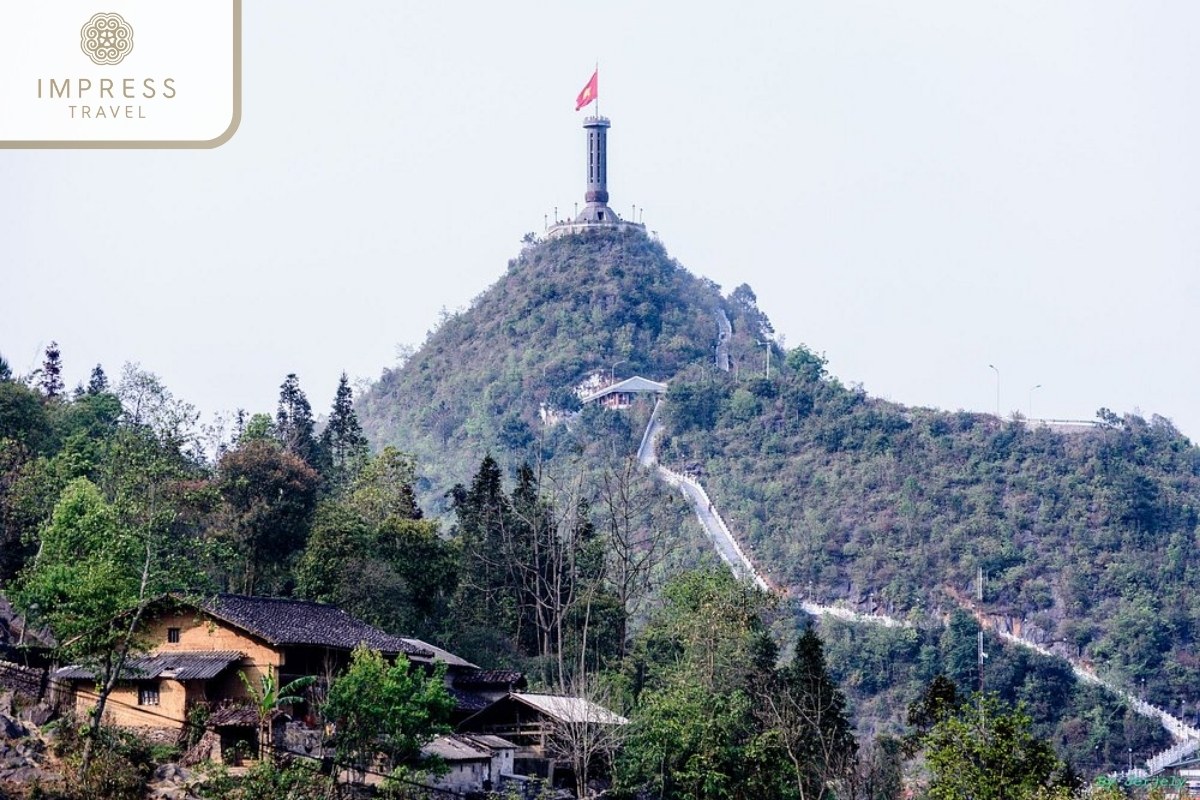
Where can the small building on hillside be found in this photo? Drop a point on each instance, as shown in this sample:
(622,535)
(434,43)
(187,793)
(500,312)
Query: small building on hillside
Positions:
(542,726)
(475,690)
(622,394)
(200,647)
(475,763)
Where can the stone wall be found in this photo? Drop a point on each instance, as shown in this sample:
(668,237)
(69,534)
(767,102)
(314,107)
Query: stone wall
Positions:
(22,680)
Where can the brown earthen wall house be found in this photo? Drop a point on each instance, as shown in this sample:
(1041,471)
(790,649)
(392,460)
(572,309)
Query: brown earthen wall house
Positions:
(197,652)
(200,633)
(197,633)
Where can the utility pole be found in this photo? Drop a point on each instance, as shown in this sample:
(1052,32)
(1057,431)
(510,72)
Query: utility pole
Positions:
(979,600)
(997,390)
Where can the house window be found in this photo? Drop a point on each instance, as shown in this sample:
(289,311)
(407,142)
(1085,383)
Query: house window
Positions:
(173,635)
(148,694)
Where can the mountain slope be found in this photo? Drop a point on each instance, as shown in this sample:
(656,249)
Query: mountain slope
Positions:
(604,302)
(1087,540)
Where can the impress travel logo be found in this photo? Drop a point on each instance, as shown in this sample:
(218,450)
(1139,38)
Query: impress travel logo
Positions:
(107,39)
(75,78)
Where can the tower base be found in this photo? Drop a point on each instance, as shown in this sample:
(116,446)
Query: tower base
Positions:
(594,216)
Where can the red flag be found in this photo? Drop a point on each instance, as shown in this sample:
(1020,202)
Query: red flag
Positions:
(589,92)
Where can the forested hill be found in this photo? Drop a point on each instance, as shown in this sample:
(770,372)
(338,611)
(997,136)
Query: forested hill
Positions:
(1087,540)
(605,302)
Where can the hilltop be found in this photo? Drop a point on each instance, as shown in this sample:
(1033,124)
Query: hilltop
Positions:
(611,303)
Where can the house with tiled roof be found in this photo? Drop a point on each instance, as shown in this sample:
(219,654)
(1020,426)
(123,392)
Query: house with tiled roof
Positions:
(472,763)
(197,648)
(538,725)
(622,394)
(475,690)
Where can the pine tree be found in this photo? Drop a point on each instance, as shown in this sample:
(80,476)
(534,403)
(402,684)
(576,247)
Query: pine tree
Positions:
(51,381)
(805,714)
(98,383)
(486,603)
(342,442)
(294,422)
(5,370)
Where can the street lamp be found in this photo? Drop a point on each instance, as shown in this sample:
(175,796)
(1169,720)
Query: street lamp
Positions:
(613,368)
(1031,399)
(997,390)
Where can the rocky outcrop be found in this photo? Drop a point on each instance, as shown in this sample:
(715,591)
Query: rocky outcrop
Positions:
(22,755)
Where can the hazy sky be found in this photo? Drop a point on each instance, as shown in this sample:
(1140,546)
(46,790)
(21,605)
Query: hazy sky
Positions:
(917,189)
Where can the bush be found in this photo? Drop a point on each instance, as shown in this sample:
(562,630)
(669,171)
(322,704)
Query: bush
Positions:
(269,781)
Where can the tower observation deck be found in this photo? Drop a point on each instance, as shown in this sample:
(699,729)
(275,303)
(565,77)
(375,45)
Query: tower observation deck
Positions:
(595,213)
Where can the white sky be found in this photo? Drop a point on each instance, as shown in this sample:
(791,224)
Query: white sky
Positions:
(918,189)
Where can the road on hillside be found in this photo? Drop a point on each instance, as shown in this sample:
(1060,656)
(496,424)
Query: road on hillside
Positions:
(698,499)
(732,555)
(724,331)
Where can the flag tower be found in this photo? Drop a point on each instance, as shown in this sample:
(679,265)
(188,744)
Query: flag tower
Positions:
(595,213)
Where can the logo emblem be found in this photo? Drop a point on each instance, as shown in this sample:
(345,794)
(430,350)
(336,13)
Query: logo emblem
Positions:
(106,39)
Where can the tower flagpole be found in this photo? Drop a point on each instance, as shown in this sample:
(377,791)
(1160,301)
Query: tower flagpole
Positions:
(597,87)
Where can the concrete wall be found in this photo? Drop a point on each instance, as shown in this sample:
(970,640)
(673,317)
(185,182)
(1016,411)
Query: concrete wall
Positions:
(464,776)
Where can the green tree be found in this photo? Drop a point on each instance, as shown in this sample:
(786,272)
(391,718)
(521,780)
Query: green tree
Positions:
(99,566)
(803,715)
(392,709)
(342,442)
(688,741)
(23,418)
(294,423)
(270,496)
(50,381)
(486,604)
(147,402)
(939,701)
(986,751)
(386,487)
(269,697)
(695,731)
(259,426)
(98,382)
(809,366)
(398,575)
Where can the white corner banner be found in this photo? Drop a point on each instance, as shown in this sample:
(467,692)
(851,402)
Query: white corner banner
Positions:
(120,74)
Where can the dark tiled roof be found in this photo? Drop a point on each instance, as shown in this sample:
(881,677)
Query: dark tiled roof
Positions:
(454,749)
(180,666)
(282,622)
(468,702)
(494,678)
(236,716)
(441,655)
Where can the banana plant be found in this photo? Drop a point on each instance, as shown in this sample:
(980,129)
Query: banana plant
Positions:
(271,696)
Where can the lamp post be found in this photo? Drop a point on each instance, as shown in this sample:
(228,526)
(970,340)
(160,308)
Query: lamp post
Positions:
(612,370)
(997,390)
(1031,399)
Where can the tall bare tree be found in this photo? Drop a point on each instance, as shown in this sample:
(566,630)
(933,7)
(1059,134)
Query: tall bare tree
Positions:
(637,542)
(588,734)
